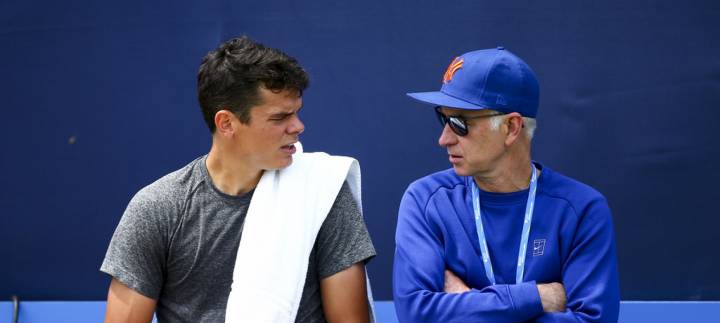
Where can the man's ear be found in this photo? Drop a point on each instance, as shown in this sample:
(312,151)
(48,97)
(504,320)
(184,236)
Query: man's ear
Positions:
(514,124)
(224,123)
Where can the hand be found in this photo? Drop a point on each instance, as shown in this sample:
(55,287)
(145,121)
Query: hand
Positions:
(453,284)
(552,296)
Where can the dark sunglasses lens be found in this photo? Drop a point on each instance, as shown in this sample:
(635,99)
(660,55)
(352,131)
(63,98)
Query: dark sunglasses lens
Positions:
(440,117)
(458,126)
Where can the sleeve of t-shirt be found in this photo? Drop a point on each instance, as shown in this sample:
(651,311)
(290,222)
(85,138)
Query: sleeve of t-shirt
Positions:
(343,239)
(137,252)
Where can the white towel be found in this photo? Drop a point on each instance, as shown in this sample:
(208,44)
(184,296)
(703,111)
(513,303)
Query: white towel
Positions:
(283,220)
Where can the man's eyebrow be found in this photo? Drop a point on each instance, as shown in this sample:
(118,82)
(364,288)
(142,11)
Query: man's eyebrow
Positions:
(284,113)
(471,116)
(452,113)
(280,114)
(455,115)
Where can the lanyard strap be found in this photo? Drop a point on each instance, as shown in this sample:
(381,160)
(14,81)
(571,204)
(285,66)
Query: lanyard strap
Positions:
(520,270)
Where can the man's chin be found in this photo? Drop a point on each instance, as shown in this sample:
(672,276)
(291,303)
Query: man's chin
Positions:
(281,164)
(460,171)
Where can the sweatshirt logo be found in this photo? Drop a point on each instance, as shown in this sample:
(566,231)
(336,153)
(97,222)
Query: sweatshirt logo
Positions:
(538,247)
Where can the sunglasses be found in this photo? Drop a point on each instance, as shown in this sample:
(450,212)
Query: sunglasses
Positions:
(459,124)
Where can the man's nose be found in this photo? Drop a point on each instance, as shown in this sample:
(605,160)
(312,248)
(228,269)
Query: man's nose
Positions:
(447,137)
(296,127)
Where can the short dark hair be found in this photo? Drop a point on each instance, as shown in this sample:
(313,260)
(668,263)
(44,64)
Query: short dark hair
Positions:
(230,76)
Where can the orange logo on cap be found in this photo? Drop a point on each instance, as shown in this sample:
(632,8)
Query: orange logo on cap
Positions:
(454,66)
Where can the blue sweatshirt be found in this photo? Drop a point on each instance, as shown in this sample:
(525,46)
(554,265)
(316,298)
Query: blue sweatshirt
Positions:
(571,242)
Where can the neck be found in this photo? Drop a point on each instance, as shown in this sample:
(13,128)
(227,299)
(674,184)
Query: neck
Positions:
(231,175)
(510,177)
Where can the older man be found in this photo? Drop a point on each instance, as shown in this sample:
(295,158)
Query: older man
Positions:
(500,237)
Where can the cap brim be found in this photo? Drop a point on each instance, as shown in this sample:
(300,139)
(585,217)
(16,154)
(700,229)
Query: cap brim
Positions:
(442,99)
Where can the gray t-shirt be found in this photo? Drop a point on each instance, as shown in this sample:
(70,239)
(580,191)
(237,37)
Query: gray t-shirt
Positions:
(178,239)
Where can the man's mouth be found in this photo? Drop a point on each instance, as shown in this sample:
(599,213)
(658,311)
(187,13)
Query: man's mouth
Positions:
(454,158)
(290,148)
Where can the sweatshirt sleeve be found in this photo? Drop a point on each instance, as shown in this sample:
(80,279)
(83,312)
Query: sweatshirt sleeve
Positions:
(419,274)
(590,273)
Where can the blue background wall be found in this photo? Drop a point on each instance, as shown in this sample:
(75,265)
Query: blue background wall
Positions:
(98,100)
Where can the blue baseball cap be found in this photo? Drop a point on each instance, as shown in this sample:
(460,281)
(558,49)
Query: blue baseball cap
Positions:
(487,79)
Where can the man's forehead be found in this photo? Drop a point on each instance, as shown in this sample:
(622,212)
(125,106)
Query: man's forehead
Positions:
(275,107)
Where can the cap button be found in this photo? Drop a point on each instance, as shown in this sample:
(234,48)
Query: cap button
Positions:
(500,48)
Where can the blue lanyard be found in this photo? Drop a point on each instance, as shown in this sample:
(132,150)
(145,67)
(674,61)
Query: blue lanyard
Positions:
(520,270)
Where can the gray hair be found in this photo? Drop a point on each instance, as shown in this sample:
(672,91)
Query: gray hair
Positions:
(530,125)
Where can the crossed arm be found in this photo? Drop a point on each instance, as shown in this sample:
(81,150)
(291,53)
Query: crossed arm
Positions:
(552,295)
(425,292)
(344,297)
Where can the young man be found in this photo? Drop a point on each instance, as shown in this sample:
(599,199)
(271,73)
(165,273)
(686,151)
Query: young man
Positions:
(178,252)
(499,237)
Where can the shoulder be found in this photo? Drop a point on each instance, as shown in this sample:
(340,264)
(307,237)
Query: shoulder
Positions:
(578,195)
(427,186)
(170,191)
(345,202)
(319,165)
(320,160)
(440,188)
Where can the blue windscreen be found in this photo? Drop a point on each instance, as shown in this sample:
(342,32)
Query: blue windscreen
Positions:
(99,100)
